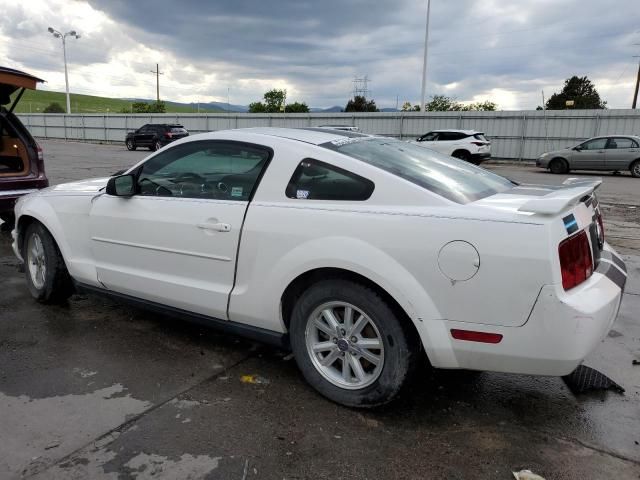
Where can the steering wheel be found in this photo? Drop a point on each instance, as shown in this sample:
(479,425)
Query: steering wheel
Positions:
(190,177)
(157,189)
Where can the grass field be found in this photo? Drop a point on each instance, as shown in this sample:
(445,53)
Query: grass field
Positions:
(34,101)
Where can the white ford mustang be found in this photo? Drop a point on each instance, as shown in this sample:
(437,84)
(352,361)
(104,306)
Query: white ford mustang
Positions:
(356,251)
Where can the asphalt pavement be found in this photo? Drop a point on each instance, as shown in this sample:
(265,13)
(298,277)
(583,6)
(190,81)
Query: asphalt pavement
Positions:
(96,389)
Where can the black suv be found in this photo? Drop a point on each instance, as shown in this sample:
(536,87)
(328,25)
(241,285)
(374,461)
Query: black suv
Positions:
(155,135)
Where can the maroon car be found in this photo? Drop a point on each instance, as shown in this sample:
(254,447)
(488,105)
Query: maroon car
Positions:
(21,160)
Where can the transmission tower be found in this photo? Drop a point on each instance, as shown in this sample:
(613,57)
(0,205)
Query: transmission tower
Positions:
(360,86)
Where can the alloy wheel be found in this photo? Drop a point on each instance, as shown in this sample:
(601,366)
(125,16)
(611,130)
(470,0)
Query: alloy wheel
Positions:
(36,260)
(345,345)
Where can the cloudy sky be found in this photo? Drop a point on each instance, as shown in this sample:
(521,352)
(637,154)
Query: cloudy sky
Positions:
(506,51)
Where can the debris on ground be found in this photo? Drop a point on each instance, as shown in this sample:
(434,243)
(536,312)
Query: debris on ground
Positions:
(254,379)
(584,379)
(527,475)
(635,362)
(52,445)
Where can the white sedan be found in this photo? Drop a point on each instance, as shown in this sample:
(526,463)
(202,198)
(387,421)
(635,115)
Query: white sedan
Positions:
(357,252)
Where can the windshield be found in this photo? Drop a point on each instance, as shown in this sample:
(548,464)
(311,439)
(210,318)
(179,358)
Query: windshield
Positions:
(449,177)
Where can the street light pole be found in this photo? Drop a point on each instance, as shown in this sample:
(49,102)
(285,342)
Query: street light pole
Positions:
(424,63)
(63,37)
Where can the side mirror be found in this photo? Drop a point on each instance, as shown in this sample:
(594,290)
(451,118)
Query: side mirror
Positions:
(121,186)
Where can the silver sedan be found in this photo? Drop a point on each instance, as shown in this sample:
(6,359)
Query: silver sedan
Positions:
(614,153)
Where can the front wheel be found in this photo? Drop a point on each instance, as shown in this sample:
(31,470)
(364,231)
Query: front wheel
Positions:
(635,169)
(130,144)
(559,166)
(47,277)
(350,345)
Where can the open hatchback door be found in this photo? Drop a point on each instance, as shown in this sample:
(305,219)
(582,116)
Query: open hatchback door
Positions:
(21,159)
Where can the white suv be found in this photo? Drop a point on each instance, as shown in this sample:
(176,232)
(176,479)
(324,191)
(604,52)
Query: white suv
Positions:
(469,145)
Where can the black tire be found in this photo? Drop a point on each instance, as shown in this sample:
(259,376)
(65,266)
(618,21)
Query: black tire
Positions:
(462,155)
(635,169)
(558,166)
(155,146)
(131,144)
(56,286)
(401,345)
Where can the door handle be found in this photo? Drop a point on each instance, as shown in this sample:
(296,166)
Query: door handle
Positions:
(217,227)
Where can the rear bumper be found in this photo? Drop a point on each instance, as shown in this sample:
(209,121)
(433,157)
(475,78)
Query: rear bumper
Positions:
(8,197)
(562,329)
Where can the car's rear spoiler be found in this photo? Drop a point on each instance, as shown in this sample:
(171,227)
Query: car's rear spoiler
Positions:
(558,200)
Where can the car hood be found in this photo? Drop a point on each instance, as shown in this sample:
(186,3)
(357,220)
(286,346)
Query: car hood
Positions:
(89,187)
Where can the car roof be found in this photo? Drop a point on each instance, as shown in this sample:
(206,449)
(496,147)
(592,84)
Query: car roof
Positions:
(12,79)
(457,130)
(315,136)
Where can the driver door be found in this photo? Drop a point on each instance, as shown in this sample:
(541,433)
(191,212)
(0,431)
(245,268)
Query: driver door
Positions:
(591,156)
(175,241)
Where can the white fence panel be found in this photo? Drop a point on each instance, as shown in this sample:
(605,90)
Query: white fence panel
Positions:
(514,135)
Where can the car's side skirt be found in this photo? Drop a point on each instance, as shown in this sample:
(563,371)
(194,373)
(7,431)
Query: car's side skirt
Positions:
(270,337)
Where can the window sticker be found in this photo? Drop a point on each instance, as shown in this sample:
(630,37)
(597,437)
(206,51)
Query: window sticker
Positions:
(303,194)
(236,191)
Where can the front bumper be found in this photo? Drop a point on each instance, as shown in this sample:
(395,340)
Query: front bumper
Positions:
(563,327)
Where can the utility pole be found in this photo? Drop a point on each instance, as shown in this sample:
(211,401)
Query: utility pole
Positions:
(635,94)
(424,63)
(158,73)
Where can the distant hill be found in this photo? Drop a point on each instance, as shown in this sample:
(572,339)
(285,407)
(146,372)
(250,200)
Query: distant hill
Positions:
(35,101)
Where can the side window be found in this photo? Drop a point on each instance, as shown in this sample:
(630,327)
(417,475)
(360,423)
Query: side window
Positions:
(444,137)
(621,143)
(597,144)
(316,180)
(429,137)
(205,169)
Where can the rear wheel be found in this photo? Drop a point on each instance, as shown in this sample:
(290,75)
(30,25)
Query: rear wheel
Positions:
(131,145)
(559,165)
(155,146)
(350,345)
(462,155)
(47,277)
(635,169)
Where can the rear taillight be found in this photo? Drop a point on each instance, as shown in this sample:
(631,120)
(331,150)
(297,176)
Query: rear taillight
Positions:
(168,134)
(40,160)
(576,263)
(480,144)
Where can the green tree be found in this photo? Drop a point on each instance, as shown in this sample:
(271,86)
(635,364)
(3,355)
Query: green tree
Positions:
(442,103)
(297,107)
(407,107)
(157,107)
(53,107)
(360,104)
(139,107)
(274,100)
(486,106)
(579,89)
(257,107)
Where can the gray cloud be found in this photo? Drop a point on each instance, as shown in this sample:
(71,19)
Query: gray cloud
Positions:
(518,47)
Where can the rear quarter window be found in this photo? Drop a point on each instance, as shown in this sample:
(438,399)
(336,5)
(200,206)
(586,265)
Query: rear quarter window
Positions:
(316,180)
